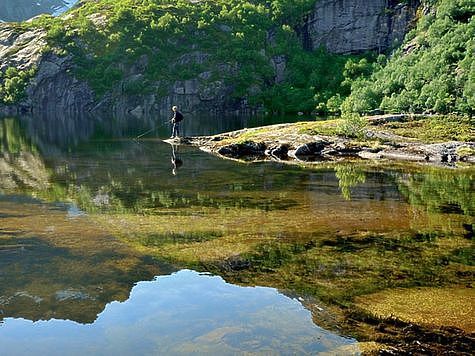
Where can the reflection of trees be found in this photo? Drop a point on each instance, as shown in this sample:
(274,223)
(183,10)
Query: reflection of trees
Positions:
(349,176)
(441,190)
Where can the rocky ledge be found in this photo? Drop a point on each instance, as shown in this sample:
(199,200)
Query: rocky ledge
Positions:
(290,143)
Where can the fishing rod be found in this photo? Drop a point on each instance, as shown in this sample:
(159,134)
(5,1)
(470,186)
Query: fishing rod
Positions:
(153,129)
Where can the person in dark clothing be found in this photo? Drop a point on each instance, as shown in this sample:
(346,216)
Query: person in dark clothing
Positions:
(176,119)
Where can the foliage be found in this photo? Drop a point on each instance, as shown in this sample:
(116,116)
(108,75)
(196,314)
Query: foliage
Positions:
(177,40)
(353,126)
(434,71)
(237,40)
(13,84)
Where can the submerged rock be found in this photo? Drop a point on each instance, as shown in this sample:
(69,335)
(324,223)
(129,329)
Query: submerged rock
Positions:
(424,306)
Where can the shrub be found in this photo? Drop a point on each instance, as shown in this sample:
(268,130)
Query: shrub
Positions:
(353,126)
(13,84)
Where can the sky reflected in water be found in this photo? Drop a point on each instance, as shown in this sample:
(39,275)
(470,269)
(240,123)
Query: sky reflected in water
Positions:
(185,312)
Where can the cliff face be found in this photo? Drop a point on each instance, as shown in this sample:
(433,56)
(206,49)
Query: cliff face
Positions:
(342,26)
(53,87)
(355,26)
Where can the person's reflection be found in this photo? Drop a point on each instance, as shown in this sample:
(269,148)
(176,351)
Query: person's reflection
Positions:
(176,161)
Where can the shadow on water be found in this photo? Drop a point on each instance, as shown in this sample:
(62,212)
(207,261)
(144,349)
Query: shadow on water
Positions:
(330,234)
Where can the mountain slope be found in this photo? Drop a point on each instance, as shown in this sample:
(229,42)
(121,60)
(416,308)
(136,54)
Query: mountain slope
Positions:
(433,71)
(141,56)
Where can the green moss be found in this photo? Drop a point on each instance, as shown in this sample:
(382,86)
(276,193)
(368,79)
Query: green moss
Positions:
(326,127)
(435,128)
(465,151)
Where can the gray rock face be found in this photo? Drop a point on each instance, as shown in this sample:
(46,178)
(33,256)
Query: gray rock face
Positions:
(53,89)
(18,49)
(355,26)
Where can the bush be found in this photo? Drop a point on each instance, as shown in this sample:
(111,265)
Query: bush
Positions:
(353,126)
(13,84)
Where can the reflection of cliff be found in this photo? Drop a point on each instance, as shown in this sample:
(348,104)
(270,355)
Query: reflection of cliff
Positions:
(57,266)
(20,164)
(56,132)
(54,262)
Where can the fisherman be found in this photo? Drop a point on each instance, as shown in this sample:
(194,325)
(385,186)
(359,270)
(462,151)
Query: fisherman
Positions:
(175,120)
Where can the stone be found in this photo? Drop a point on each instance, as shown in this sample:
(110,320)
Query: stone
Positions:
(309,149)
(279,151)
(279,63)
(247,149)
(356,26)
(225,28)
(180,90)
(137,112)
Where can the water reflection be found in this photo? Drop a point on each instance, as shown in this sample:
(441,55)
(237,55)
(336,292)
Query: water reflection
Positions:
(176,161)
(57,263)
(183,313)
(333,232)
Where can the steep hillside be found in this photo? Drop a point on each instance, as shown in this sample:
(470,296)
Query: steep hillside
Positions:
(140,57)
(433,71)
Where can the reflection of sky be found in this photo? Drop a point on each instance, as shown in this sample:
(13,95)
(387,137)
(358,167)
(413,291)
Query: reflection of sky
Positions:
(183,313)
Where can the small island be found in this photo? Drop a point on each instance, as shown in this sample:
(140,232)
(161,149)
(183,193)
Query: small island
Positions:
(411,138)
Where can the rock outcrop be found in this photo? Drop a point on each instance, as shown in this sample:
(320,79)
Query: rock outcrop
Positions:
(356,26)
(285,143)
(53,88)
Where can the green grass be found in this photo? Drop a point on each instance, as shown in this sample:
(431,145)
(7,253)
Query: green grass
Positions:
(436,129)
(326,128)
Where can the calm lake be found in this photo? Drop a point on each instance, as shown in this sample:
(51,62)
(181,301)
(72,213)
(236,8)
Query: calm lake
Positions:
(114,246)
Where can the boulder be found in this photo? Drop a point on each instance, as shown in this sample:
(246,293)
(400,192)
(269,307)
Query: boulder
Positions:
(247,149)
(310,149)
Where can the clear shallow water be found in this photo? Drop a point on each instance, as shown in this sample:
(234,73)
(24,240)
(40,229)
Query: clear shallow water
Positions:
(182,313)
(86,213)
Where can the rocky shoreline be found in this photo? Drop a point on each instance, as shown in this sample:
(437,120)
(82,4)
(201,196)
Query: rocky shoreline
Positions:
(287,143)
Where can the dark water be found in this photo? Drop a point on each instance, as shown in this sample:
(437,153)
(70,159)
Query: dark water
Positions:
(99,235)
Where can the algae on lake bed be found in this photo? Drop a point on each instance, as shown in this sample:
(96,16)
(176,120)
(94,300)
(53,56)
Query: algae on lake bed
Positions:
(427,306)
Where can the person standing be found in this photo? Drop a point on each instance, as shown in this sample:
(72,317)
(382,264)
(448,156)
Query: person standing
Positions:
(175,120)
